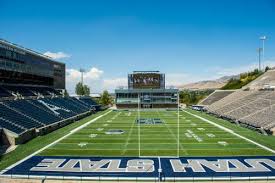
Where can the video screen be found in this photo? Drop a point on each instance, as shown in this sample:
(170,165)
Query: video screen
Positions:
(146,80)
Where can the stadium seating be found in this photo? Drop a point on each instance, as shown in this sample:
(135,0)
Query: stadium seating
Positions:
(89,102)
(226,100)
(249,107)
(26,91)
(253,105)
(267,80)
(4,123)
(263,119)
(18,118)
(35,112)
(236,104)
(4,92)
(28,108)
(215,96)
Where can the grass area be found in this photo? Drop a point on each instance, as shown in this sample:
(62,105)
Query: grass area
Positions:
(197,138)
(268,141)
(37,143)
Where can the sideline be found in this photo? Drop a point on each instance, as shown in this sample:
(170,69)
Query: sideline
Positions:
(231,131)
(53,143)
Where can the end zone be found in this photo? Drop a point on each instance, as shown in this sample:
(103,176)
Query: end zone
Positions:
(134,168)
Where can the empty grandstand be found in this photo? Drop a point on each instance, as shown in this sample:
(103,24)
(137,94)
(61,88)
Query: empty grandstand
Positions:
(252,106)
(215,96)
(32,101)
(265,81)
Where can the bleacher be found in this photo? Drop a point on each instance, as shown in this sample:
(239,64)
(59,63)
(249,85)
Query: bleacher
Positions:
(215,96)
(27,113)
(4,92)
(267,80)
(26,91)
(254,105)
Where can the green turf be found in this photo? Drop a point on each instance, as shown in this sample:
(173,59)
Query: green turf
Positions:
(197,138)
(37,143)
(156,140)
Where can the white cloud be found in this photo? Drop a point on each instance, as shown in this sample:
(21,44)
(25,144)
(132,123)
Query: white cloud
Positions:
(93,74)
(57,55)
(111,84)
(92,78)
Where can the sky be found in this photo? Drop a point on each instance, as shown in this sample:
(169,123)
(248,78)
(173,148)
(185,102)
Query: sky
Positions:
(188,40)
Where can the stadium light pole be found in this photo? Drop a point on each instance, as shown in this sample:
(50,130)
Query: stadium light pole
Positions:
(262,39)
(259,50)
(82,71)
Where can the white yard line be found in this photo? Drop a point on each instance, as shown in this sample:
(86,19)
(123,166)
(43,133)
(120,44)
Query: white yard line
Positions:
(232,132)
(53,143)
(128,137)
(172,133)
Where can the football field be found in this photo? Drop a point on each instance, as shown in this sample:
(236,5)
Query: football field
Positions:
(156,133)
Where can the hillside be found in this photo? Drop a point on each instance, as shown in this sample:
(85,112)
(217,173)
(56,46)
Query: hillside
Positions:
(208,84)
(245,78)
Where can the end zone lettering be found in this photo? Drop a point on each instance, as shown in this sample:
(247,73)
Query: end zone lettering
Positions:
(86,165)
(223,165)
(183,168)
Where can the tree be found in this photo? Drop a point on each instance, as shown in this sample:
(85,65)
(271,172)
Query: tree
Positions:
(66,94)
(189,97)
(267,68)
(81,89)
(105,98)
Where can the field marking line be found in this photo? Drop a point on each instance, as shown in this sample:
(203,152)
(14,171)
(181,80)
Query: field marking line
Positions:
(128,137)
(172,133)
(232,132)
(53,143)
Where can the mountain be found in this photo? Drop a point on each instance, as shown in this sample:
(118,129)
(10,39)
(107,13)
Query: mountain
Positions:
(208,84)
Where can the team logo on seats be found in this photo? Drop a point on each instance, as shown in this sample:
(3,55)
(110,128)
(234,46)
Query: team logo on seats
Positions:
(53,108)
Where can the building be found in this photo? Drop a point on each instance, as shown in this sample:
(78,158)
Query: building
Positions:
(146,89)
(22,66)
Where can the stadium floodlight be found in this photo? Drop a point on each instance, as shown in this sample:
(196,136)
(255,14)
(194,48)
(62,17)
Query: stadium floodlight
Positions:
(262,39)
(82,71)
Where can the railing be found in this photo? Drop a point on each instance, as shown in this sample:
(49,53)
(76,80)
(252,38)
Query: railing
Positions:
(112,177)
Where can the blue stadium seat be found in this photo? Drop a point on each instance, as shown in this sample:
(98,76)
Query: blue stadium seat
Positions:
(10,126)
(18,118)
(4,92)
(28,108)
(24,114)
(90,102)
(20,89)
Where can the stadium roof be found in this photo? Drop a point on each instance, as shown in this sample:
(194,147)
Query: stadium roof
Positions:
(28,50)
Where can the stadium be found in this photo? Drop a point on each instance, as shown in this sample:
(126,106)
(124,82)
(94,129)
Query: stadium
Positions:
(137,91)
(148,136)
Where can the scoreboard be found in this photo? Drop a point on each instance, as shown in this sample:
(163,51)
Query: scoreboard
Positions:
(146,80)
